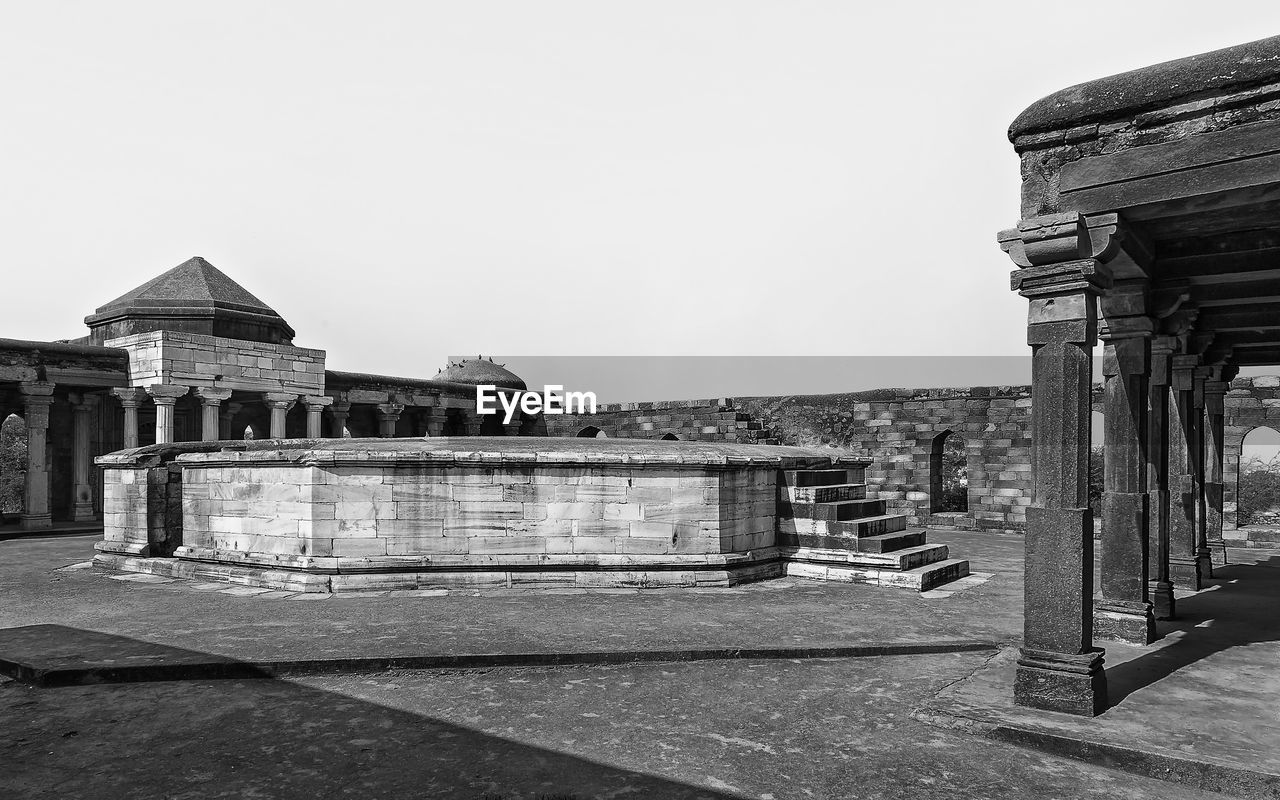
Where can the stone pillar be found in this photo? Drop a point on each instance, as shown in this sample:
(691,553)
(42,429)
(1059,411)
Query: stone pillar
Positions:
(1162,349)
(279,403)
(37,396)
(1124,611)
(338,413)
(1214,437)
(129,398)
(1185,568)
(82,408)
(315,407)
(435,423)
(210,412)
(388,415)
(1059,669)
(165,396)
(1197,454)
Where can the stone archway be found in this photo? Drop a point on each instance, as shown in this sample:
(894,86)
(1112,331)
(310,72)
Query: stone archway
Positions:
(1257,493)
(948,474)
(592,432)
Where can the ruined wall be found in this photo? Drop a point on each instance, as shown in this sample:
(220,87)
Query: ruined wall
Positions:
(721,420)
(898,430)
(895,428)
(1251,403)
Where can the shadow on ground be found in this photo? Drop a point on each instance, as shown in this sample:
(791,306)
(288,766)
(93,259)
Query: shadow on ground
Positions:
(1236,610)
(276,739)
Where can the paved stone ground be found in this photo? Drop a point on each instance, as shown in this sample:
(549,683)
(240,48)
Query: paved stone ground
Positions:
(826,728)
(240,622)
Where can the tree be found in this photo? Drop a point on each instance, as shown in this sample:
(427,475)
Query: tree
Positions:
(1259,489)
(955,476)
(13,463)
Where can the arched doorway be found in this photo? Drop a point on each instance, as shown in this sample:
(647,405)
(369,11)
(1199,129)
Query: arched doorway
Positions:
(13,466)
(948,475)
(670,437)
(592,432)
(1258,481)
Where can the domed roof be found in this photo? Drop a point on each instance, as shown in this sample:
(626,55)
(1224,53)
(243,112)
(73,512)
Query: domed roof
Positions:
(195,297)
(477,371)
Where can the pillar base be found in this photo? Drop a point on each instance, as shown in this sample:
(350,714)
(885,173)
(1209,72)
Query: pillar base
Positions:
(83,512)
(1187,573)
(1217,553)
(1132,623)
(33,522)
(1163,605)
(1063,682)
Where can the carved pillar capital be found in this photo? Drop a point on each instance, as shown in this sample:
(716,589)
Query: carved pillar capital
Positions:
(129,396)
(211,396)
(279,400)
(165,394)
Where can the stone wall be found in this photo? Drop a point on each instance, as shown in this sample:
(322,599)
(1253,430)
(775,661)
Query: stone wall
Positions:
(193,359)
(722,420)
(1250,403)
(898,431)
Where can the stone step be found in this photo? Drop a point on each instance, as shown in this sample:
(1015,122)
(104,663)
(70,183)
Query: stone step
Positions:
(908,558)
(842,511)
(929,576)
(816,477)
(890,542)
(873,525)
(827,494)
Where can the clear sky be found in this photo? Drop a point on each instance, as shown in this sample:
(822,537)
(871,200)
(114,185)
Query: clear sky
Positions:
(404,181)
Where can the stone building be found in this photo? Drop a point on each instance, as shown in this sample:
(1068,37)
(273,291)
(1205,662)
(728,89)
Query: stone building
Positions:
(191,355)
(1149,223)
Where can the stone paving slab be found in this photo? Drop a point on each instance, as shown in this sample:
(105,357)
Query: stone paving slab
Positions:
(305,627)
(1198,706)
(728,730)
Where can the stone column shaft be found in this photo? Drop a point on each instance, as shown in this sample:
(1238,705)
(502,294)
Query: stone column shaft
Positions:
(82,457)
(315,407)
(1059,669)
(388,416)
(338,417)
(1215,434)
(129,398)
(1124,611)
(165,397)
(37,397)
(210,411)
(1158,478)
(279,403)
(1184,566)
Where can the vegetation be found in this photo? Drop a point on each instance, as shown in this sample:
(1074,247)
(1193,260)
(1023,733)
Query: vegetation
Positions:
(13,463)
(955,478)
(1095,481)
(1259,490)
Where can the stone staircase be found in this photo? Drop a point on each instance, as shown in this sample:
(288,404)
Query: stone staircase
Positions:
(829,530)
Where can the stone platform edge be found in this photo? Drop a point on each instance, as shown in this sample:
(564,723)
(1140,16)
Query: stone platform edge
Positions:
(1197,772)
(217,667)
(482,451)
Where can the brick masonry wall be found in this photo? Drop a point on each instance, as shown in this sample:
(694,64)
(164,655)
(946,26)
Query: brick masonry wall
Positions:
(192,359)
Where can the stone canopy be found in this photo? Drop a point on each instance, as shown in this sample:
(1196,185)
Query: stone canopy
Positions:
(193,297)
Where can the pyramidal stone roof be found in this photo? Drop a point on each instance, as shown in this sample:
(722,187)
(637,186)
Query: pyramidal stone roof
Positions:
(194,283)
(194,296)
